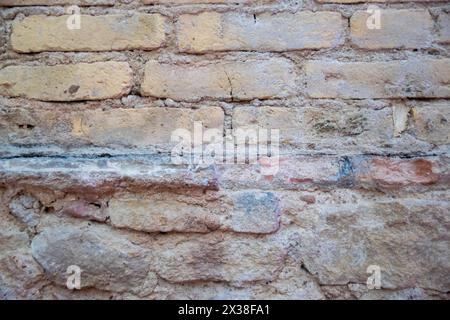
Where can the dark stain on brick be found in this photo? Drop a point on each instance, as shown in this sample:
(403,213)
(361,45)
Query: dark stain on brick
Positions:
(346,171)
(73,89)
(254,205)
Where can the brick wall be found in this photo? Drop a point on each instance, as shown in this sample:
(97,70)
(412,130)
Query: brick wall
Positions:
(356,177)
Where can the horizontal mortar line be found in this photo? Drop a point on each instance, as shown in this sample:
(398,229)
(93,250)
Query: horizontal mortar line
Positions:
(163,155)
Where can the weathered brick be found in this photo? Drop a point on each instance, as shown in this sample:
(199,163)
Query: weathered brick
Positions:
(217,257)
(157,214)
(398,29)
(389,233)
(254,78)
(106,260)
(394,79)
(293,172)
(249,212)
(335,130)
(82,210)
(213,31)
(97,33)
(444,28)
(55,2)
(430,122)
(321,129)
(325,172)
(127,128)
(203,1)
(255,212)
(394,173)
(95,176)
(112,262)
(380,1)
(81,81)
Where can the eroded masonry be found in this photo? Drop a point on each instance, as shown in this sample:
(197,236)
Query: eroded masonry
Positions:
(344,105)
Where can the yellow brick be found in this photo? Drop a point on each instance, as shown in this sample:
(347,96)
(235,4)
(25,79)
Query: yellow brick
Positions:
(398,28)
(141,127)
(128,128)
(415,78)
(254,78)
(97,33)
(213,31)
(82,81)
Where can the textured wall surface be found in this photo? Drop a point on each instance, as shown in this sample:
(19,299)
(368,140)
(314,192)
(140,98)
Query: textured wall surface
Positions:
(360,99)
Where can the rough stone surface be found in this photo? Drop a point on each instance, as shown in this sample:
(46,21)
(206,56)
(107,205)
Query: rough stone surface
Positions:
(350,241)
(26,209)
(96,33)
(107,262)
(218,257)
(82,81)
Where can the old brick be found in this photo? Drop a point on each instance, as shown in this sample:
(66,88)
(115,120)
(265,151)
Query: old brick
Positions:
(360,178)
(111,262)
(55,2)
(203,1)
(82,81)
(218,257)
(93,176)
(255,212)
(325,128)
(84,210)
(338,241)
(380,1)
(444,28)
(97,33)
(140,127)
(394,173)
(107,261)
(398,29)
(430,122)
(127,128)
(249,212)
(289,172)
(26,209)
(167,214)
(335,130)
(292,283)
(393,79)
(213,31)
(21,277)
(234,80)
